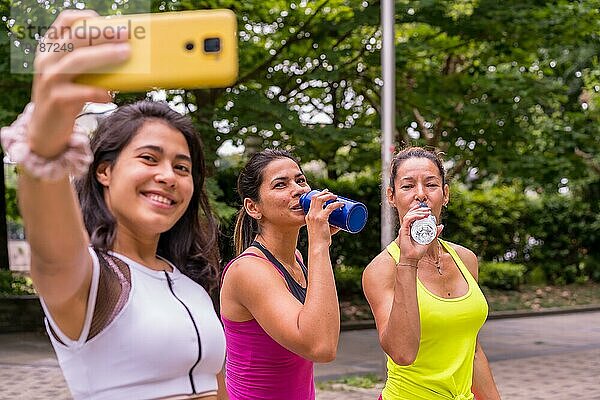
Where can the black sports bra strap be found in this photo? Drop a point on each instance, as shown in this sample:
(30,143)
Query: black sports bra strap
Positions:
(297,291)
(303,267)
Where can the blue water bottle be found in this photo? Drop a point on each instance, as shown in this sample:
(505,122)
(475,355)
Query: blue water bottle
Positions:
(352,217)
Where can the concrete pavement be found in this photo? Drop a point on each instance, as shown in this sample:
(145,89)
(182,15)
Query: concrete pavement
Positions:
(28,368)
(535,358)
(554,357)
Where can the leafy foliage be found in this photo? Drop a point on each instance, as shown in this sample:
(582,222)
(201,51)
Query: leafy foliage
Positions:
(566,232)
(491,221)
(15,284)
(554,234)
(508,90)
(501,275)
(348,281)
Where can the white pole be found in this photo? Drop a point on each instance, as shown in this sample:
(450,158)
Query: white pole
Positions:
(388,113)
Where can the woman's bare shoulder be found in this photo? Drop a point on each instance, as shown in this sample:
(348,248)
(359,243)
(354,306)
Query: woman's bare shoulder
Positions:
(468,257)
(251,266)
(382,264)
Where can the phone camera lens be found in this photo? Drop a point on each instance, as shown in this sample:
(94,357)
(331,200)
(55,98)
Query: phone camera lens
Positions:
(212,45)
(189,46)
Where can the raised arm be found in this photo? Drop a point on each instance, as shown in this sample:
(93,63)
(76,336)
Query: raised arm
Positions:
(60,265)
(391,290)
(319,318)
(392,294)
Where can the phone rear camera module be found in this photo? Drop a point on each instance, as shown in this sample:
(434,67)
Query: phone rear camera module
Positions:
(212,45)
(189,46)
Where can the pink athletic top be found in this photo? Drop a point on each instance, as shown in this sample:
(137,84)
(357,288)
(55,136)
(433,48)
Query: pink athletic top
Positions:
(257,367)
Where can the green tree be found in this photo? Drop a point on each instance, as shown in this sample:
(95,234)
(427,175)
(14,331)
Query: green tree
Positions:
(508,90)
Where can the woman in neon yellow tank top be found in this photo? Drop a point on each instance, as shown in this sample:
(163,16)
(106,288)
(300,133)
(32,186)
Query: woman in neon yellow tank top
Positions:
(425,298)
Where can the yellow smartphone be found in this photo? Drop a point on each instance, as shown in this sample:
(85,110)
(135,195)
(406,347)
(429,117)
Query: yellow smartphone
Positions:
(172,50)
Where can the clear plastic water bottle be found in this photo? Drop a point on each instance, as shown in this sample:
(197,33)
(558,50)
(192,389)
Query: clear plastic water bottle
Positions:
(423,231)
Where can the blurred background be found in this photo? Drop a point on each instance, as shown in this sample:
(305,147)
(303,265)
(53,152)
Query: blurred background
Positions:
(507,90)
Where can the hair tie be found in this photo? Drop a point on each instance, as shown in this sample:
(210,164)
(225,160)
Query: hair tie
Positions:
(74,161)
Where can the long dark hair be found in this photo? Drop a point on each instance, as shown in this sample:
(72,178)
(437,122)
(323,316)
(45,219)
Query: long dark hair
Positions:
(191,244)
(416,152)
(248,186)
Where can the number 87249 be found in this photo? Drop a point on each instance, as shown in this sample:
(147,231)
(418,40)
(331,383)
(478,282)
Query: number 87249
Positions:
(44,47)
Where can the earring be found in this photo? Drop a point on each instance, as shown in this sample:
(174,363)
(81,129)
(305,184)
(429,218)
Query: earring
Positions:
(259,217)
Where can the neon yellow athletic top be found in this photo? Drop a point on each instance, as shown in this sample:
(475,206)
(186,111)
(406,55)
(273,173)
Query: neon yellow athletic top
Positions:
(443,368)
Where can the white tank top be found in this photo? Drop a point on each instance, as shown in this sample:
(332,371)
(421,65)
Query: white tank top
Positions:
(151,348)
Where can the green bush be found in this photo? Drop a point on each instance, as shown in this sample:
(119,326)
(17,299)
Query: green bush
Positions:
(492,222)
(348,281)
(501,275)
(567,240)
(12,283)
(555,236)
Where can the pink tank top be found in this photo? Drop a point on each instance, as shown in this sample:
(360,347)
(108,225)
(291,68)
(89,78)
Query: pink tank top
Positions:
(257,367)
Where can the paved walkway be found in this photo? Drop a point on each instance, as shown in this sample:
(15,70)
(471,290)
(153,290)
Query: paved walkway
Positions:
(536,358)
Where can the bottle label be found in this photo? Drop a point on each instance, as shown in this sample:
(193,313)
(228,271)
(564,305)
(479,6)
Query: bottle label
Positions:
(423,231)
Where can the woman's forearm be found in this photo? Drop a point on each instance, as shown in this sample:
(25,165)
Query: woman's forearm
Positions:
(401,335)
(319,319)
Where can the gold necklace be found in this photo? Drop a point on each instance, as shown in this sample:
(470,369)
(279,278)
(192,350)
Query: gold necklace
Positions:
(439,258)
(437,262)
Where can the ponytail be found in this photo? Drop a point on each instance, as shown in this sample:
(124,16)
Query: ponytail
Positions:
(246,228)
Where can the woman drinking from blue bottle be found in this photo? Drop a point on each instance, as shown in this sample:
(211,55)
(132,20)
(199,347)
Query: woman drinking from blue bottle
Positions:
(279,316)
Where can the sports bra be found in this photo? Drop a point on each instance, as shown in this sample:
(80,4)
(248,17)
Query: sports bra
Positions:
(163,338)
